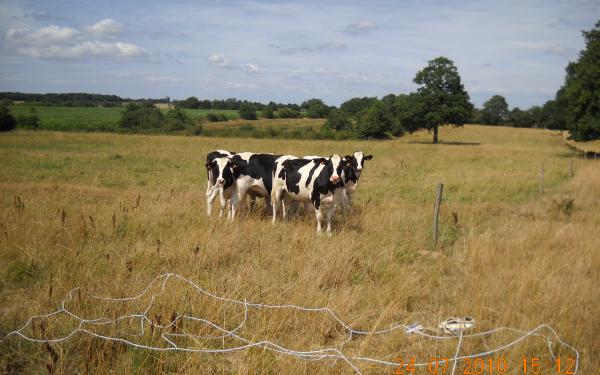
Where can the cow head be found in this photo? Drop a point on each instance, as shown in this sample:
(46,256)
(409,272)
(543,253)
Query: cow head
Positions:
(222,172)
(337,169)
(359,160)
(349,166)
(334,168)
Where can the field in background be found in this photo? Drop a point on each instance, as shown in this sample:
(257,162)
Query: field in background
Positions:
(110,212)
(93,118)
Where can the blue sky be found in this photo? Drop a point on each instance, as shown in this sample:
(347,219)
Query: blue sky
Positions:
(289,51)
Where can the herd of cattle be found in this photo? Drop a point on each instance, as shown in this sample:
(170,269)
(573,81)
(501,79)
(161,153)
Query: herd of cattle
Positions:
(326,182)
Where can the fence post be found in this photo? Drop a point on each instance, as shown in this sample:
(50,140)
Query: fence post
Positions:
(571,170)
(542,180)
(436,216)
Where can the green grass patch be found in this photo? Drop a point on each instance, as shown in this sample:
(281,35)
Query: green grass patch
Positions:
(94,119)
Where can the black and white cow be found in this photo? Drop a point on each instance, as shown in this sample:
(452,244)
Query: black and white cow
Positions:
(358,163)
(212,188)
(253,176)
(308,180)
(220,170)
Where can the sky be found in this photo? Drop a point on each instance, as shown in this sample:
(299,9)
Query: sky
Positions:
(289,51)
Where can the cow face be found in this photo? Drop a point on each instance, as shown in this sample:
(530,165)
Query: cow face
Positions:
(359,160)
(349,166)
(337,169)
(222,172)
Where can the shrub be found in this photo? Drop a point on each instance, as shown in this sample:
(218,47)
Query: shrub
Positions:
(32,121)
(267,112)
(338,120)
(143,116)
(247,112)
(216,117)
(288,113)
(7,121)
(198,130)
(28,122)
(173,124)
(178,114)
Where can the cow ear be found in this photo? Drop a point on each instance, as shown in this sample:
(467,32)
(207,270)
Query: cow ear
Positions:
(322,161)
(368,157)
(348,157)
(207,165)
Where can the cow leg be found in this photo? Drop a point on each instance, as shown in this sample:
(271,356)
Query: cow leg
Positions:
(230,212)
(208,184)
(295,208)
(276,196)
(210,199)
(237,196)
(252,202)
(223,202)
(287,207)
(268,205)
(319,215)
(345,201)
(329,212)
(349,196)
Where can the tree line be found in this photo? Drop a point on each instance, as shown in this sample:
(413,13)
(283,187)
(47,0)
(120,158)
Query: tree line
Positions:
(440,99)
(64,99)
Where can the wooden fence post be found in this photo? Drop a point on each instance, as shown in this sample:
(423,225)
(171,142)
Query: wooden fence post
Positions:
(436,217)
(571,170)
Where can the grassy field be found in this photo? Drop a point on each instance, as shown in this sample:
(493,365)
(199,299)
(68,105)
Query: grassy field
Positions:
(84,119)
(108,213)
(301,128)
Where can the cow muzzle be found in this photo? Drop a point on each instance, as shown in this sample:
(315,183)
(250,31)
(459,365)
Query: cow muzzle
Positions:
(220,181)
(334,179)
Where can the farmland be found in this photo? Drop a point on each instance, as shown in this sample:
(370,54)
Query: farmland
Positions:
(109,212)
(92,118)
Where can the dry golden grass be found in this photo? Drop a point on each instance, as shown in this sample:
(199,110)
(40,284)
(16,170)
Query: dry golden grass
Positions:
(110,212)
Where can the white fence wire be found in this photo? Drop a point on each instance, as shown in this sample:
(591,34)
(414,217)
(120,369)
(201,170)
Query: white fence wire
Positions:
(84,327)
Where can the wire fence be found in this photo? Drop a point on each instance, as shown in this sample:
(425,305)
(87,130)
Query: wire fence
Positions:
(171,341)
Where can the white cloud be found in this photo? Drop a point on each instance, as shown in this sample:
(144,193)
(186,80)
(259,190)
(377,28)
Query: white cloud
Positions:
(322,47)
(250,67)
(161,79)
(46,35)
(240,86)
(360,28)
(106,26)
(84,50)
(218,59)
(321,70)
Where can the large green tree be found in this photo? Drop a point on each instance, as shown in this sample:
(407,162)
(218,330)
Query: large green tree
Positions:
(579,98)
(442,95)
(374,122)
(494,111)
(356,106)
(315,108)
(338,120)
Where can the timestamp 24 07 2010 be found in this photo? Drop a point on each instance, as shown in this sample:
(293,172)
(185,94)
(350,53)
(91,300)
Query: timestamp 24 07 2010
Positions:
(487,366)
